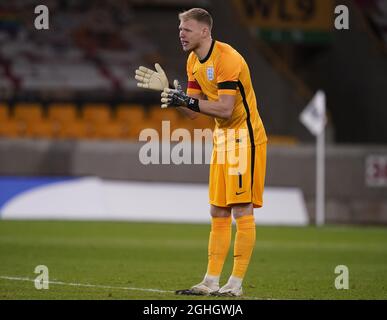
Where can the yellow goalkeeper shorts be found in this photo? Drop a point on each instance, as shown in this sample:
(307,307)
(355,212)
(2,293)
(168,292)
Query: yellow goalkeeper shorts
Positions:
(238,176)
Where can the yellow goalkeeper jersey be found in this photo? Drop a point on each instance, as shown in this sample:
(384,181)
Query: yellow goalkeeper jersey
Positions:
(225,72)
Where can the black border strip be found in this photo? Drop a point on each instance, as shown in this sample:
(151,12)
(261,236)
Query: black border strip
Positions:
(209,53)
(251,133)
(232,85)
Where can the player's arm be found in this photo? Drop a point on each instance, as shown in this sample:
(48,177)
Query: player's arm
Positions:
(228,71)
(222,108)
(189,113)
(193,90)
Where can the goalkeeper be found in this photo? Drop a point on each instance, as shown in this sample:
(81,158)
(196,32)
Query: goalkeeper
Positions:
(219,85)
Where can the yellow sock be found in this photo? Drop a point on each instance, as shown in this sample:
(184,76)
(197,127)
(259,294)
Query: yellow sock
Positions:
(244,245)
(219,244)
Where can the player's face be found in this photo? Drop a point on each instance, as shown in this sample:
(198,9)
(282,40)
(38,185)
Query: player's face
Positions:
(191,34)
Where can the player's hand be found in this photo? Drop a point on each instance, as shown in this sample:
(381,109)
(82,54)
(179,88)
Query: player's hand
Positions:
(151,79)
(173,97)
(178,98)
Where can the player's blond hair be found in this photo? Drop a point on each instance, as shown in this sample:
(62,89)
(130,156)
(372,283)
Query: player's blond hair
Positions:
(197,14)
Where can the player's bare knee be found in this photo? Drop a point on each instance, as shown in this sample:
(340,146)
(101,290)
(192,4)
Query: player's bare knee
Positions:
(243,209)
(217,212)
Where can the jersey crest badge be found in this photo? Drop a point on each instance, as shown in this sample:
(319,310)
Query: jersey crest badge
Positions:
(210,73)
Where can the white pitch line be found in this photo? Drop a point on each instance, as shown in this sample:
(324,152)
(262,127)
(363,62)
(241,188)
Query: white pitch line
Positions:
(86,285)
(102,286)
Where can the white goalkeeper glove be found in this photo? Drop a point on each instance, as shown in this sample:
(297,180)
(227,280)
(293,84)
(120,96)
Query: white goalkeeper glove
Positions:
(151,79)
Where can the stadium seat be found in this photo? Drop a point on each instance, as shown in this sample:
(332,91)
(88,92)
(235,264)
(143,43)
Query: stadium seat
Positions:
(41,129)
(135,129)
(96,113)
(189,125)
(10,129)
(62,112)
(203,122)
(28,112)
(77,129)
(158,114)
(130,113)
(282,140)
(4,114)
(184,123)
(111,130)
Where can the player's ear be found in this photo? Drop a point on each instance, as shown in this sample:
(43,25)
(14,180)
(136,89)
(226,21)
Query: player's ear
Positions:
(205,31)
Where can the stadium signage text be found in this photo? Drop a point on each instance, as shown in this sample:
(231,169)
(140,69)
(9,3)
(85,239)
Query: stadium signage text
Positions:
(287,14)
(376,171)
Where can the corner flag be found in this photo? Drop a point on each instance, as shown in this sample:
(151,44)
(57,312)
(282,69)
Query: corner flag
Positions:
(314,118)
(314,115)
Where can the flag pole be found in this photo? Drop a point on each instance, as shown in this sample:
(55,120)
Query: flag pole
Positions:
(320,178)
(314,118)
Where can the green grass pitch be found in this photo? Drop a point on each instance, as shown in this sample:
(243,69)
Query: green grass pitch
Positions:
(122,259)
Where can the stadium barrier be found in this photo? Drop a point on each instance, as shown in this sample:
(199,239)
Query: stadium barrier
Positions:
(92,198)
(350,197)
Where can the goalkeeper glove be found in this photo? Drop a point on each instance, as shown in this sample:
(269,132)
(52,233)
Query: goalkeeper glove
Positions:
(177,98)
(150,79)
